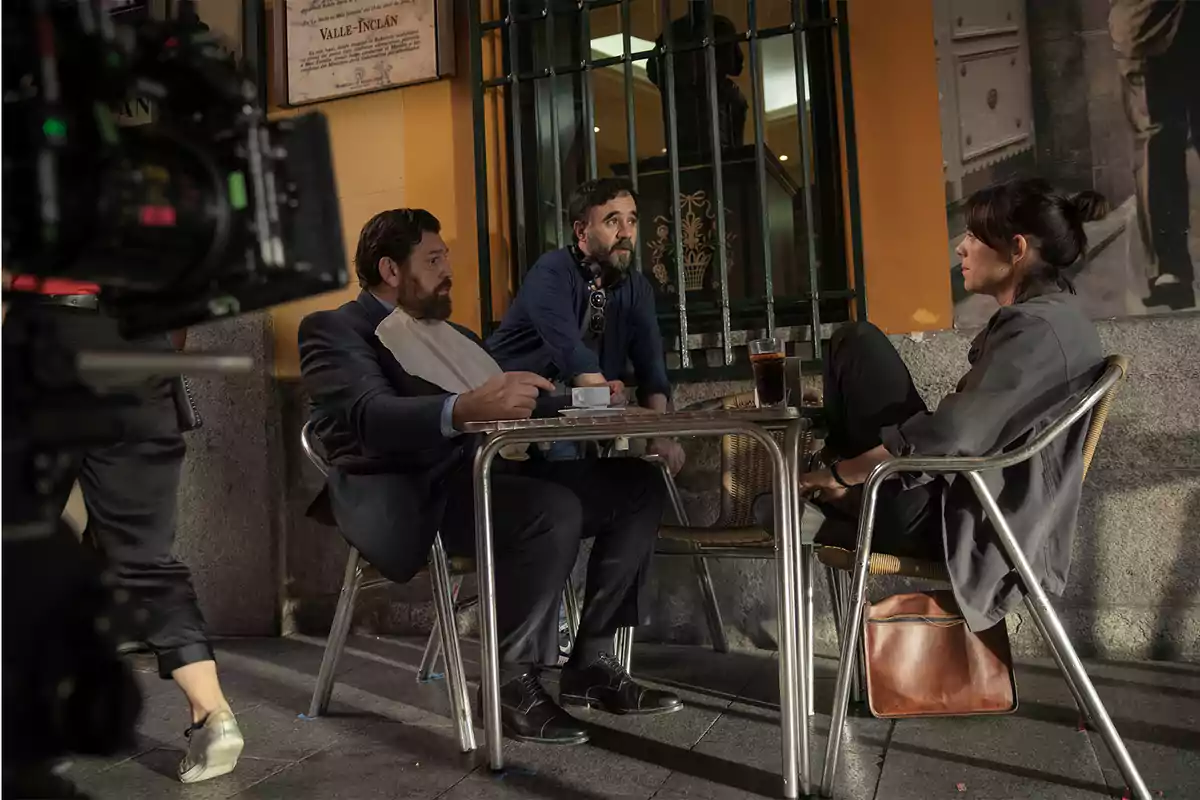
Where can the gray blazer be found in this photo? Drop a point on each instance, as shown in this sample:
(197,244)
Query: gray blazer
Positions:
(1030,362)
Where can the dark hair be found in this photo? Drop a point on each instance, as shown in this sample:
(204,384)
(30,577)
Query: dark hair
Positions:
(1030,207)
(596,192)
(390,234)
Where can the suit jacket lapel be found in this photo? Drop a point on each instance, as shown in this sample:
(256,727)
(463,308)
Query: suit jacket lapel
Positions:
(375,310)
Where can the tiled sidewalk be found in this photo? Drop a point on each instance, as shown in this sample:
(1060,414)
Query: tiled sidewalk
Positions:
(389,737)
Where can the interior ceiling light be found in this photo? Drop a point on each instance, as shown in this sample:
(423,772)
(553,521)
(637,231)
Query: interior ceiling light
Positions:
(778,59)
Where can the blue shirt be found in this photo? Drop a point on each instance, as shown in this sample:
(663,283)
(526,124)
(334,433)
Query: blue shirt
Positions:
(543,329)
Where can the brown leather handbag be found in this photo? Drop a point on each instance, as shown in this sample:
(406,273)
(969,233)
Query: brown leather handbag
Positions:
(923,660)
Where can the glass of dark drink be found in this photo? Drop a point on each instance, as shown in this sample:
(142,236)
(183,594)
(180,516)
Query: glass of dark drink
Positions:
(767,360)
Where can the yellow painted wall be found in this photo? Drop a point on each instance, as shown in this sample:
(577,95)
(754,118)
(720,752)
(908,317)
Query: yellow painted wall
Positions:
(409,147)
(901,189)
(414,147)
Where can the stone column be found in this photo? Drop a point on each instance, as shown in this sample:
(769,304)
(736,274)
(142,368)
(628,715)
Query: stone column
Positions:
(227,531)
(1060,92)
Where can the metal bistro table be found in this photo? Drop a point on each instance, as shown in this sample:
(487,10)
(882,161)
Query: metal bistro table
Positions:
(785,467)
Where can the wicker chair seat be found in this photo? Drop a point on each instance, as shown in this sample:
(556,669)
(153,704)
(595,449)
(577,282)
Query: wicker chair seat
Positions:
(719,536)
(884,564)
(460,565)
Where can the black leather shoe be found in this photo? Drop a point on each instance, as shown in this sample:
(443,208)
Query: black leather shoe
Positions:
(528,714)
(1175,296)
(606,685)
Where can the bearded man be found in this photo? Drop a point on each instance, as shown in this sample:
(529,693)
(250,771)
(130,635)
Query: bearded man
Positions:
(582,314)
(392,386)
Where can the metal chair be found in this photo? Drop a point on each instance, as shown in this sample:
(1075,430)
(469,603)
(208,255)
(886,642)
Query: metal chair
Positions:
(445,631)
(1099,397)
(745,476)
(623,641)
(446,576)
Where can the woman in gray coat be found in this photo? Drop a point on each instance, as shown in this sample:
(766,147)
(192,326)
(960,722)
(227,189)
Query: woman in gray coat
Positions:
(1036,354)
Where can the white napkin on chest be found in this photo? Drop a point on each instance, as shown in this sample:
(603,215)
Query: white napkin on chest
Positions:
(435,352)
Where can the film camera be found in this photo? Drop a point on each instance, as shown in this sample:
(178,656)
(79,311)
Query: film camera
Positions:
(207,212)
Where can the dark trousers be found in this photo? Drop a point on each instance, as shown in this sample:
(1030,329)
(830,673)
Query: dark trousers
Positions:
(867,388)
(541,511)
(129,488)
(1162,101)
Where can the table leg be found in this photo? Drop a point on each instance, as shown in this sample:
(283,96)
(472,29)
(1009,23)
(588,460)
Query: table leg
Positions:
(486,578)
(790,684)
(794,665)
(795,449)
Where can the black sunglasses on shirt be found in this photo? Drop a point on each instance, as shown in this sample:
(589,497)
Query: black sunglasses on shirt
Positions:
(597,301)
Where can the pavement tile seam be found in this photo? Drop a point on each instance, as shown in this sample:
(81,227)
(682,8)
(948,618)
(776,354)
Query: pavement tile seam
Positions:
(1097,760)
(359,653)
(883,754)
(1141,693)
(455,785)
(284,767)
(611,743)
(344,693)
(612,740)
(728,700)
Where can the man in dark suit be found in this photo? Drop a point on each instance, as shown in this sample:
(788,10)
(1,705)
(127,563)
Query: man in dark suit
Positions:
(401,472)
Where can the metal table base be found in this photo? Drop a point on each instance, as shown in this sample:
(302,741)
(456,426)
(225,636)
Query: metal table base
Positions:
(793,661)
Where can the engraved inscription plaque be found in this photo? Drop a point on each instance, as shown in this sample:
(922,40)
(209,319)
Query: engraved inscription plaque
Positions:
(335,48)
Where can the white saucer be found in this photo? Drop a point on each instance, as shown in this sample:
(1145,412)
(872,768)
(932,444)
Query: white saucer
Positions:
(591,411)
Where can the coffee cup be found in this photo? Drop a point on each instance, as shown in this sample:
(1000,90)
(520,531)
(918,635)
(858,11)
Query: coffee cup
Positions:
(590,396)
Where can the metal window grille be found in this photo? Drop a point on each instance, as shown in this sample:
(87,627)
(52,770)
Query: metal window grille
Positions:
(535,65)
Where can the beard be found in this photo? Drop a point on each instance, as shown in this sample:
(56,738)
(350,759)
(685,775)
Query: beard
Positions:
(620,255)
(616,263)
(434,306)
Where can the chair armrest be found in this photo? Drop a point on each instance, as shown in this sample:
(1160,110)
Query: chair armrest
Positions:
(952,464)
(943,465)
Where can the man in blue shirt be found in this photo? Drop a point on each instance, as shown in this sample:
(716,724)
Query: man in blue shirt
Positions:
(583,315)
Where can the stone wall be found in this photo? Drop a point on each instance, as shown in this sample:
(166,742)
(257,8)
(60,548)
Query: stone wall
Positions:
(229,531)
(262,567)
(1134,590)
(1083,138)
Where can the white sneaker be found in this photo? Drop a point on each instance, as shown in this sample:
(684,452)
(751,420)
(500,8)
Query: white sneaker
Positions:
(213,748)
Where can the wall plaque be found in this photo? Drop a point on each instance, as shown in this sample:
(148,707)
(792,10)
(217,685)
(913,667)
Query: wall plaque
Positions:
(335,48)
